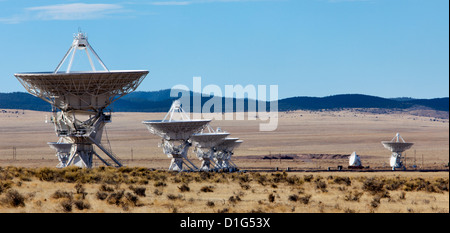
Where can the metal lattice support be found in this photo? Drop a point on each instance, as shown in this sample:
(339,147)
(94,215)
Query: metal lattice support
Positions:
(205,147)
(79,100)
(397,146)
(175,130)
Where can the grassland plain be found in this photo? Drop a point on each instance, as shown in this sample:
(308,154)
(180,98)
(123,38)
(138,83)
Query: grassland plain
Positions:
(298,133)
(29,184)
(143,190)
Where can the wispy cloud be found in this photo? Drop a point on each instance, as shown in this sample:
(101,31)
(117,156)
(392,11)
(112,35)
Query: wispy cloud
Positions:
(336,1)
(74,11)
(190,2)
(90,11)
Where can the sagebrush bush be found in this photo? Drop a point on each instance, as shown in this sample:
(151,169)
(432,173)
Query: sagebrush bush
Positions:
(207,189)
(342,180)
(5,185)
(160,184)
(271,197)
(140,191)
(353,196)
(66,205)
(58,194)
(184,188)
(174,197)
(308,178)
(101,195)
(293,197)
(305,199)
(373,185)
(81,205)
(14,199)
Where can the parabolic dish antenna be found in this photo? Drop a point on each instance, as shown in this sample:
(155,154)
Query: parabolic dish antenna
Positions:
(207,140)
(175,130)
(175,134)
(81,90)
(62,152)
(397,146)
(81,98)
(227,144)
(354,160)
(224,151)
(205,147)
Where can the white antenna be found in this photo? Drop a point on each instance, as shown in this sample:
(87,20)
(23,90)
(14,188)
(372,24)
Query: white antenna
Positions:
(397,146)
(354,160)
(175,135)
(77,95)
(224,151)
(205,144)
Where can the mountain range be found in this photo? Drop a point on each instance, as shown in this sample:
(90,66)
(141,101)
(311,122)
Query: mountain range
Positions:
(160,101)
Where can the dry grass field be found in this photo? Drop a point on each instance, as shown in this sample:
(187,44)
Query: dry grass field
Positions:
(299,133)
(29,183)
(142,190)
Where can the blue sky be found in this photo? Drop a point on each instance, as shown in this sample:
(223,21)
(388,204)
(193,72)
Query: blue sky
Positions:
(388,48)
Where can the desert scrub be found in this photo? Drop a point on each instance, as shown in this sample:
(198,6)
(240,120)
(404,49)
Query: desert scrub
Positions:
(66,205)
(308,178)
(373,185)
(242,178)
(5,185)
(394,184)
(271,197)
(13,198)
(59,194)
(81,205)
(184,188)
(353,196)
(419,184)
(203,176)
(305,199)
(293,197)
(234,199)
(49,174)
(106,188)
(140,191)
(119,198)
(80,191)
(160,184)
(207,189)
(320,184)
(174,197)
(342,180)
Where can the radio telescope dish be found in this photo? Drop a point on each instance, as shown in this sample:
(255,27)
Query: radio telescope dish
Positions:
(207,140)
(205,147)
(175,134)
(224,151)
(175,130)
(354,160)
(79,100)
(62,152)
(397,146)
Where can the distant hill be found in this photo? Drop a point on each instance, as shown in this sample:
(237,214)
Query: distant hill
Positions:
(359,101)
(160,101)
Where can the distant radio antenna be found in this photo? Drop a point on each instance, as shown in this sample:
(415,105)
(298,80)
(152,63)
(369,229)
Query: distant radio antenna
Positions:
(205,146)
(397,146)
(175,130)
